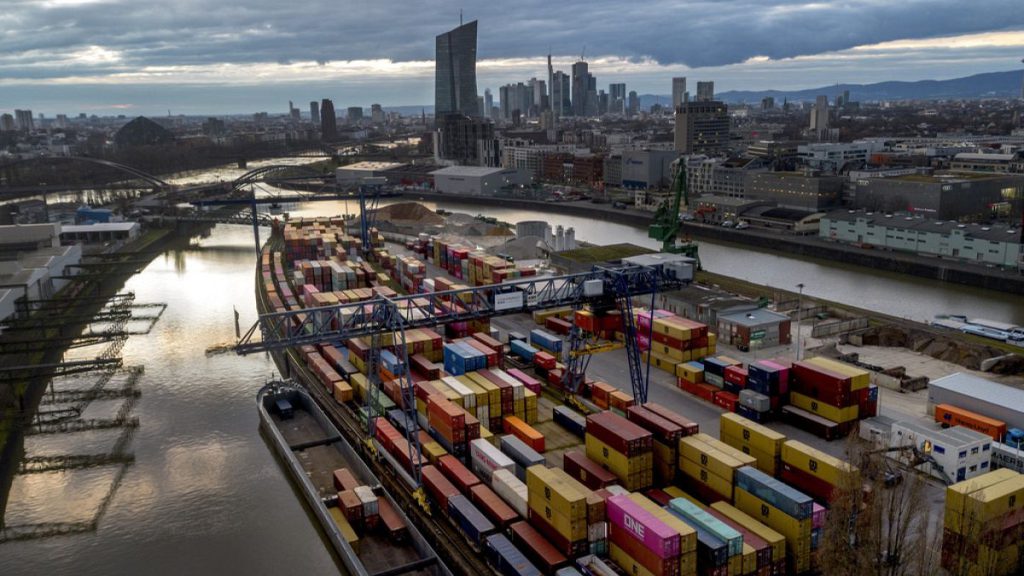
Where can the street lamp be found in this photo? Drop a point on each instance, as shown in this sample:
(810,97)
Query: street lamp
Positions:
(799,313)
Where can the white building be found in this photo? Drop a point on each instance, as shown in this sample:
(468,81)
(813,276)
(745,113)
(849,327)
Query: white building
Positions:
(959,453)
(478,180)
(353,174)
(100,232)
(33,265)
(833,155)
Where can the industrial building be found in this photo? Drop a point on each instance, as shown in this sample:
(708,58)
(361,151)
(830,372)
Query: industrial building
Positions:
(979,395)
(100,232)
(478,180)
(33,265)
(720,209)
(995,245)
(785,220)
(703,304)
(807,190)
(758,328)
(353,174)
(832,156)
(942,196)
(643,169)
(959,453)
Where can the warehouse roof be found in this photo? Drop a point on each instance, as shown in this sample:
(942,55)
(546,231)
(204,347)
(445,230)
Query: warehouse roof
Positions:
(370,165)
(955,436)
(756,317)
(467,171)
(992,392)
(991,232)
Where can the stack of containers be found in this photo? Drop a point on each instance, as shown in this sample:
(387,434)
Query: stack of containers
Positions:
(639,539)
(666,441)
(546,340)
(735,379)
(687,535)
(622,447)
(457,473)
(709,466)
(512,490)
(761,442)
(983,521)
(586,471)
(821,388)
(569,419)
(447,424)
(523,456)
(766,392)
(701,521)
(744,522)
(689,375)
(865,393)
(782,508)
(460,359)
(523,350)
(668,340)
(506,558)
(814,472)
(557,509)
(757,553)
(485,459)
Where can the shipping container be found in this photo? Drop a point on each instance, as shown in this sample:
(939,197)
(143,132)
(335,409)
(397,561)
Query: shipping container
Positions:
(394,526)
(817,463)
(796,532)
(633,472)
(689,426)
(471,521)
(785,498)
(440,489)
(507,559)
(511,489)
(687,534)
(775,540)
(528,434)
(662,428)
(537,548)
(949,415)
(457,473)
(586,471)
(696,516)
(486,458)
(619,433)
(812,423)
(500,513)
(569,419)
(522,455)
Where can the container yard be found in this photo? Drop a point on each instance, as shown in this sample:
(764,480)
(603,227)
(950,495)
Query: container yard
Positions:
(492,448)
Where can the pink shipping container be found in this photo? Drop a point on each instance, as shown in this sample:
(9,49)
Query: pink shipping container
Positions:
(531,383)
(656,536)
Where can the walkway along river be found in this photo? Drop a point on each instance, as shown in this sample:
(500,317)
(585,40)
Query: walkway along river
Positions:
(205,494)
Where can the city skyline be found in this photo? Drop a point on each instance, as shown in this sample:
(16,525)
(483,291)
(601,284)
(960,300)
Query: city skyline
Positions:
(125,57)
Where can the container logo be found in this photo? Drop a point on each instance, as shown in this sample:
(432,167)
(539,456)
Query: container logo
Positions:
(633,526)
(814,406)
(547,493)
(604,452)
(813,465)
(704,476)
(703,459)
(1012,501)
(746,434)
(764,510)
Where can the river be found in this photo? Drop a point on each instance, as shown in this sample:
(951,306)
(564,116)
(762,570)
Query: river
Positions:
(205,493)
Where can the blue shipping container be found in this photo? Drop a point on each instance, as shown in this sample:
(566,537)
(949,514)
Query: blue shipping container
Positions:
(507,559)
(752,414)
(545,340)
(780,495)
(711,550)
(469,519)
(520,453)
(570,420)
(523,350)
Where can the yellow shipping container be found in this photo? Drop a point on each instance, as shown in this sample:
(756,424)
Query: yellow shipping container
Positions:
(493,392)
(677,492)
(749,559)
(687,534)
(690,373)
(815,462)
(359,385)
(773,538)
(716,456)
(595,505)
(482,398)
(688,564)
(661,362)
(663,326)
(712,339)
(433,451)
(751,433)
(721,486)
(796,532)
(767,463)
(735,565)
(992,503)
(673,354)
(572,528)
(486,434)
(345,528)
(827,411)
(626,562)
(635,473)
(553,490)
(859,378)
(957,494)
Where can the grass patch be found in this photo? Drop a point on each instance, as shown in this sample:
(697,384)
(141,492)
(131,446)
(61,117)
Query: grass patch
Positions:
(595,254)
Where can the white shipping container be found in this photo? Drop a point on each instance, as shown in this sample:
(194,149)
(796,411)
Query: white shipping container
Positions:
(518,390)
(597,531)
(511,489)
(468,397)
(483,413)
(617,490)
(876,430)
(1004,456)
(368,500)
(486,459)
(755,401)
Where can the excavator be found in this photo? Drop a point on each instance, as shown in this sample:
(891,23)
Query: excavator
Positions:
(667,223)
(919,455)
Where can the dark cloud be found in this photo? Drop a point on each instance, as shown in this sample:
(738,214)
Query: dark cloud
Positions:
(701,33)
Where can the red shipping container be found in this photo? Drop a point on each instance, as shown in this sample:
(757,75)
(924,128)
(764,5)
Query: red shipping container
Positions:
(706,392)
(807,483)
(344,480)
(726,400)
(557,325)
(350,506)
(492,356)
(554,378)
(822,384)
(586,471)
(443,410)
(438,487)
(504,387)
(463,478)
(661,428)
(619,434)
(736,375)
(644,556)
(537,548)
(492,506)
(545,360)
(486,340)
(472,427)
(689,426)
(659,496)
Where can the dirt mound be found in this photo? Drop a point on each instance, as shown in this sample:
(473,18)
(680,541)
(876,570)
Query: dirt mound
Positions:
(410,211)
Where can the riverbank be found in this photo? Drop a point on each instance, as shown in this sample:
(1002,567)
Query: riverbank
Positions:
(801,246)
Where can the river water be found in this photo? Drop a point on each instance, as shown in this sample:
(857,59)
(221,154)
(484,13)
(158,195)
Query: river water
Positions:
(205,493)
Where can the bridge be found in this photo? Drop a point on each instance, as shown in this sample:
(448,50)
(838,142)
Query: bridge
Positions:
(8,191)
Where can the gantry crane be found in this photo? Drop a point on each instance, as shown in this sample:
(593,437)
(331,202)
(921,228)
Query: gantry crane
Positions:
(380,316)
(667,223)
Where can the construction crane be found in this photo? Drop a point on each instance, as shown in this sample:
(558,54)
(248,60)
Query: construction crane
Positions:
(667,223)
(383,316)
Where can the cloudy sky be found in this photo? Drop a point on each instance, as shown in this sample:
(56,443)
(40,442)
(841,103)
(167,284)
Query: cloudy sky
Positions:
(224,56)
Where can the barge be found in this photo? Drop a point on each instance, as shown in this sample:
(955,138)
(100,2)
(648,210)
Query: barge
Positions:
(315,454)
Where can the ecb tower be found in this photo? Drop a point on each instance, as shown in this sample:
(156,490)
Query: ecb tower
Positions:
(455,72)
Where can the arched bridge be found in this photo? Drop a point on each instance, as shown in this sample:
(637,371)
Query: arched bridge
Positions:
(267,173)
(135,173)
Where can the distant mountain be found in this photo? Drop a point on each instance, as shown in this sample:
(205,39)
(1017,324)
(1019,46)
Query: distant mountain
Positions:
(988,85)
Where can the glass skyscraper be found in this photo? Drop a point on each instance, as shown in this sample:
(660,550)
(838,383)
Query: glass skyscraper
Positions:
(455,72)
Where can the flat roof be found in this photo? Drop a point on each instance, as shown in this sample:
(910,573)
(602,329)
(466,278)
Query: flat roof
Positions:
(726,200)
(982,156)
(658,259)
(945,178)
(903,221)
(100,227)
(992,392)
(370,165)
(954,436)
(754,317)
(471,171)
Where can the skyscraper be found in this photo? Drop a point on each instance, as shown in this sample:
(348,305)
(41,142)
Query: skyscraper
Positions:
(488,110)
(819,116)
(23,120)
(634,104)
(705,91)
(314,112)
(455,72)
(702,127)
(580,87)
(617,98)
(560,102)
(678,91)
(328,121)
(551,84)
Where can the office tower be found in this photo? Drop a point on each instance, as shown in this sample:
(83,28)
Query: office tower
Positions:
(580,88)
(377,114)
(455,72)
(678,91)
(634,103)
(6,123)
(328,121)
(314,112)
(767,103)
(617,98)
(488,103)
(705,91)
(551,85)
(819,115)
(468,141)
(62,121)
(355,114)
(23,120)
(540,96)
(560,101)
(702,127)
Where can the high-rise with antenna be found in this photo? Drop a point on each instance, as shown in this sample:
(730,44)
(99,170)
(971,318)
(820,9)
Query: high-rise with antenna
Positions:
(455,72)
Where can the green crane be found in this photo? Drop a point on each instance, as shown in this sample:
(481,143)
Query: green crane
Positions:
(667,225)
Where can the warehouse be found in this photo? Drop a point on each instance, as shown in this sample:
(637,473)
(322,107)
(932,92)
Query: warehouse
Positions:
(758,328)
(355,173)
(959,453)
(978,395)
(479,180)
